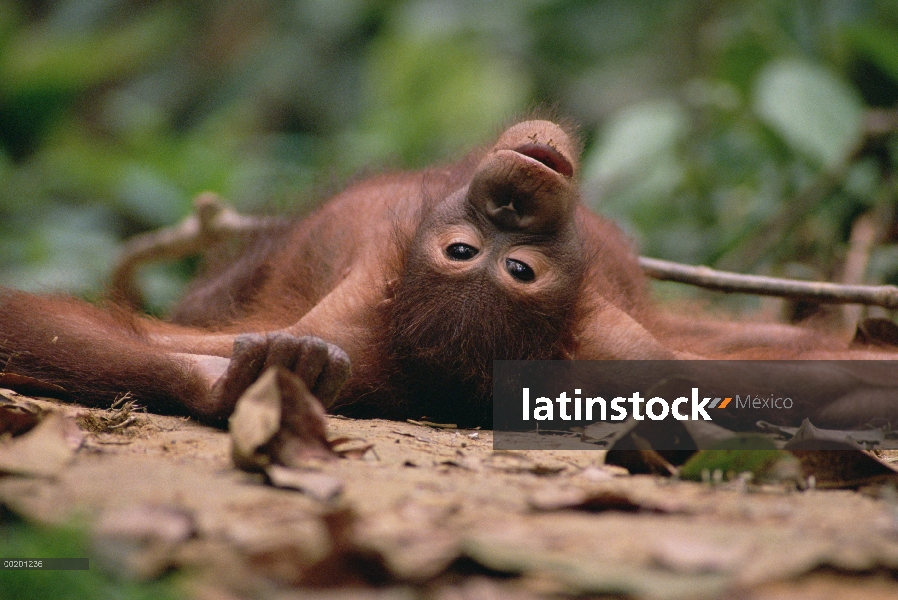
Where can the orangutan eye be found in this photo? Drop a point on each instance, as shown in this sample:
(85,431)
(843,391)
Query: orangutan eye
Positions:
(461,252)
(519,270)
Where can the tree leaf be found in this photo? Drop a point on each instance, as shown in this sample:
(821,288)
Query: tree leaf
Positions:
(635,140)
(817,114)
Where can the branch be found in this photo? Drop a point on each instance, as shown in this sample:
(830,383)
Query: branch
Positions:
(833,293)
(880,122)
(212,221)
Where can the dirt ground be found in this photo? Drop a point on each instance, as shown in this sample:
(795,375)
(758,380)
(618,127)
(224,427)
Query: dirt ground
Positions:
(413,511)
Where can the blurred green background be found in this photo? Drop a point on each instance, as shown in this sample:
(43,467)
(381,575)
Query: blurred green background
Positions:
(748,135)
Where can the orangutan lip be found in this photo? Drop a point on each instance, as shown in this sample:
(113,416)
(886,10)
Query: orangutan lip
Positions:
(548,156)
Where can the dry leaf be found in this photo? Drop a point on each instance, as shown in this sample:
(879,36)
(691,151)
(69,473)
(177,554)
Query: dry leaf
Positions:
(837,464)
(44,451)
(696,556)
(581,575)
(876,332)
(278,421)
(140,541)
(18,417)
(319,486)
(646,460)
(433,425)
(412,537)
(808,433)
(552,498)
(881,437)
(347,447)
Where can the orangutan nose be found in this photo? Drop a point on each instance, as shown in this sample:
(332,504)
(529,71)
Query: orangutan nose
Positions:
(525,181)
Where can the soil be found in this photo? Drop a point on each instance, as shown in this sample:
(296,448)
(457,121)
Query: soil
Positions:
(413,511)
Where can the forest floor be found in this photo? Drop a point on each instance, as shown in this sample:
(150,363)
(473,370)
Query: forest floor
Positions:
(413,511)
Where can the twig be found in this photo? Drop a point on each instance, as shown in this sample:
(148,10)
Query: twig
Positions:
(865,234)
(833,293)
(880,122)
(211,222)
(122,399)
(124,423)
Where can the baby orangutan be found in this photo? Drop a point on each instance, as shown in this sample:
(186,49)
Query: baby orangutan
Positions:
(419,280)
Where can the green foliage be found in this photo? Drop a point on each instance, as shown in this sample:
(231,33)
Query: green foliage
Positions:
(747,453)
(731,133)
(20,540)
(424,90)
(731,463)
(816,113)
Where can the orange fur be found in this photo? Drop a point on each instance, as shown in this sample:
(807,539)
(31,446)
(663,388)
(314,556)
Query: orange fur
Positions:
(422,278)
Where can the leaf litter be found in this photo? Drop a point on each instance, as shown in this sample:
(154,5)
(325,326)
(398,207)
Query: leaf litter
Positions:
(467,521)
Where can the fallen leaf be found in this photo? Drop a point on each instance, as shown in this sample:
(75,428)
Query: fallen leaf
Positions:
(477,588)
(141,541)
(413,538)
(636,455)
(603,473)
(573,498)
(18,417)
(553,498)
(807,433)
(580,575)
(838,464)
(433,425)
(350,447)
(509,462)
(44,451)
(778,430)
(876,332)
(470,463)
(278,421)
(652,447)
(603,433)
(348,563)
(697,556)
(319,486)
